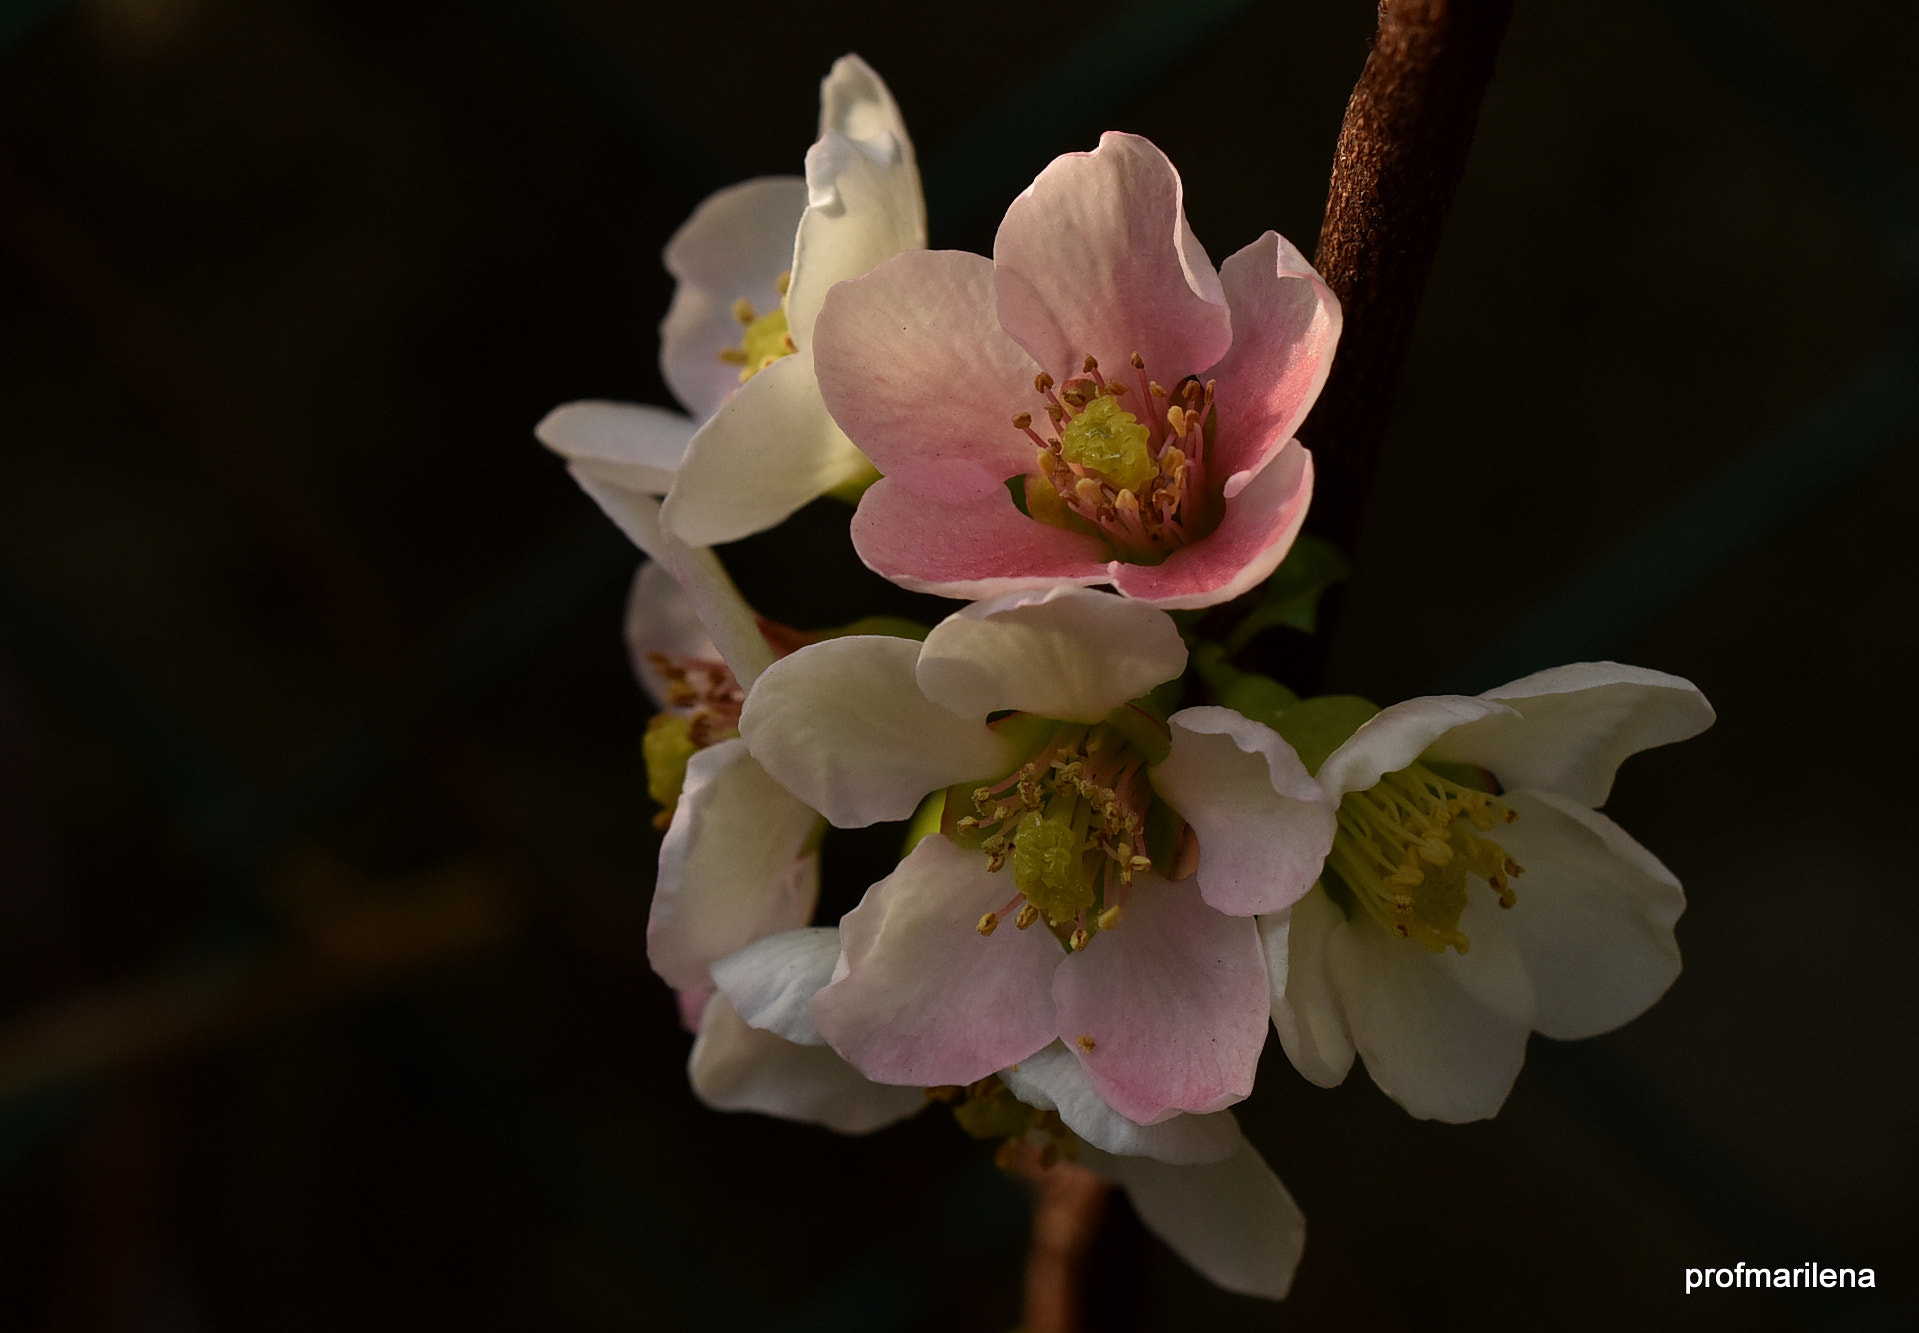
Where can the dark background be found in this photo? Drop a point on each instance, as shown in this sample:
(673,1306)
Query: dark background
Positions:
(323,829)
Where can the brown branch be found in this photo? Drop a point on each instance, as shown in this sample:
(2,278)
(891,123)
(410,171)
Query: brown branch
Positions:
(1402,151)
(1068,1201)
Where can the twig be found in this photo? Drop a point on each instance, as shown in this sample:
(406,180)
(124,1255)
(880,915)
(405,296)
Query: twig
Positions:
(1402,151)
(1067,1203)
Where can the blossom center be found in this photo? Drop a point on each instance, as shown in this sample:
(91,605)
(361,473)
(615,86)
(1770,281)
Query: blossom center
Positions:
(1138,482)
(764,338)
(1072,822)
(709,700)
(1405,853)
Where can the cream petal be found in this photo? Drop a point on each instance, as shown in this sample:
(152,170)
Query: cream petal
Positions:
(1594,917)
(1231,1220)
(1062,652)
(735,1067)
(634,446)
(1306,1012)
(923,997)
(724,614)
(733,247)
(772,981)
(1396,736)
(1429,1045)
(1264,825)
(1492,971)
(1096,257)
(1054,1080)
(1571,727)
(863,192)
(843,725)
(768,450)
(660,619)
(733,866)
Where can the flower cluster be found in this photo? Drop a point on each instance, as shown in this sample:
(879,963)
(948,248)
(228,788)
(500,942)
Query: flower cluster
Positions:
(1123,859)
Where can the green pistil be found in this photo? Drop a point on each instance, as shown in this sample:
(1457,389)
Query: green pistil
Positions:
(1108,441)
(765,341)
(667,746)
(1049,864)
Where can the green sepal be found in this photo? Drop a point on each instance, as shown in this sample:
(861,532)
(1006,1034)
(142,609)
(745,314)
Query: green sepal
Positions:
(1145,732)
(850,490)
(1293,591)
(1470,776)
(1247,693)
(892,627)
(1016,484)
(1163,824)
(1163,700)
(929,819)
(995,1115)
(1317,727)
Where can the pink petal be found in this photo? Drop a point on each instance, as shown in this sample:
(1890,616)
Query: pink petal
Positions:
(913,365)
(1260,524)
(1264,825)
(951,528)
(925,998)
(1285,326)
(1096,256)
(1173,1001)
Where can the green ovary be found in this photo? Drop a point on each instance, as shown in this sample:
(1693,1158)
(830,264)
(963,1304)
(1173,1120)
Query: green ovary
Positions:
(1049,867)
(1108,441)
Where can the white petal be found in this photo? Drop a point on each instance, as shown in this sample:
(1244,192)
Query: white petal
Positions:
(732,867)
(768,450)
(1055,1080)
(843,725)
(772,981)
(660,619)
(734,1067)
(921,996)
(1063,652)
(1306,1012)
(634,513)
(855,102)
(1264,825)
(1594,920)
(728,620)
(1492,970)
(1572,726)
(863,192)
(1429,1045)
(1232,1220)
(630,445)
(1394,737)
(733,248)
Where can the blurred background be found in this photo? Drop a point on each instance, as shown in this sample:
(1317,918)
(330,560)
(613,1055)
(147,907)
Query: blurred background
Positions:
(324,841)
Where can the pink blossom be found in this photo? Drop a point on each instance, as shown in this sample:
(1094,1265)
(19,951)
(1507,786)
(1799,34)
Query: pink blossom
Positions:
(1143,403)
(1061,909)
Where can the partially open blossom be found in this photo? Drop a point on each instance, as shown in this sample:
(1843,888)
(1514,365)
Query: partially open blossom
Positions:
(752,265)
(1193,1179)
(1098,868)
(1094,404)
(1474,894)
